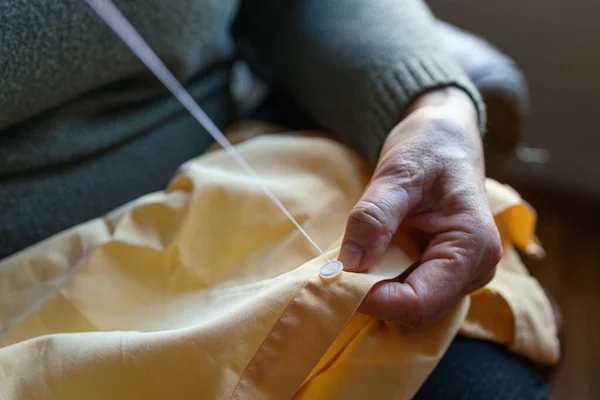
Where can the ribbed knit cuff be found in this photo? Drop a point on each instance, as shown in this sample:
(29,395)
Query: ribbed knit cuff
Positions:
(392,88)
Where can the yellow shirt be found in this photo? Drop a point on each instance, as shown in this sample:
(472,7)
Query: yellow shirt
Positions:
(207,291)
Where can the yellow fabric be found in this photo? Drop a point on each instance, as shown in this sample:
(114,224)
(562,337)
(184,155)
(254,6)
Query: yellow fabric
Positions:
(513,308)
(207,291)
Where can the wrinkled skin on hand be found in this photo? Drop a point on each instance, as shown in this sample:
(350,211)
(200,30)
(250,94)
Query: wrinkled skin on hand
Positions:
(430,178)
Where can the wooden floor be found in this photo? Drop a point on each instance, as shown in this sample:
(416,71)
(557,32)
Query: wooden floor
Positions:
(569,229)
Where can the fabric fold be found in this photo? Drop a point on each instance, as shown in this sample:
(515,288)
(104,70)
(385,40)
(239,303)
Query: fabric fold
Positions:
(206,290)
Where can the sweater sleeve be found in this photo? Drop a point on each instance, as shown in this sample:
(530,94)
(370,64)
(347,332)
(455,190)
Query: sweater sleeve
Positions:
(354,66)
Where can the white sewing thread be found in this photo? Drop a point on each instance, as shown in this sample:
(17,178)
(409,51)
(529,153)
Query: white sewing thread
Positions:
(111,15)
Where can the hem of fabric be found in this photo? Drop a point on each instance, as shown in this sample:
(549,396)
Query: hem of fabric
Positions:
(313,296)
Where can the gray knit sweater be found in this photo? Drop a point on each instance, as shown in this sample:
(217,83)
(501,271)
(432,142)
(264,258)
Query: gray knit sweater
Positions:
(73,97)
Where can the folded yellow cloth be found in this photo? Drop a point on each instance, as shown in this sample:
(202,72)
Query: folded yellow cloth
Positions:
(207,291)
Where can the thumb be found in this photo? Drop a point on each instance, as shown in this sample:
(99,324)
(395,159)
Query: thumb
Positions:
(372,223)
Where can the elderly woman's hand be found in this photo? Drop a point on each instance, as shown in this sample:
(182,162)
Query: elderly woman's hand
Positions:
(430,179)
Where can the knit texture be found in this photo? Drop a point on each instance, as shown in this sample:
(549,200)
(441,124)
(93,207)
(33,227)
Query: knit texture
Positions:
(353,66)
(393,89)
(73,97)
(69,88)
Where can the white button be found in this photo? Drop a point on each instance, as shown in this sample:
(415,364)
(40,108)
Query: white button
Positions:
(331,270)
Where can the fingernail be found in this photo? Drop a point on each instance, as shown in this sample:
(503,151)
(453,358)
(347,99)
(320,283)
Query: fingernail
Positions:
(351,255)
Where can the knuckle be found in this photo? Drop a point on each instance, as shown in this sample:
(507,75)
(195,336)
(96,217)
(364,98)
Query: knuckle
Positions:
(488,278)
(496,252)
(400,166)
(494,248)
(482,281)
(466,251)
(412,310)
(408,170)
(370,214)
(487,238)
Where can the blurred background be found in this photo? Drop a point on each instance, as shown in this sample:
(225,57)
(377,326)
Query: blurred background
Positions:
(557,46)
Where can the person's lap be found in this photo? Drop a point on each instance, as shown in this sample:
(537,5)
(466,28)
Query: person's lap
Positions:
(470,369)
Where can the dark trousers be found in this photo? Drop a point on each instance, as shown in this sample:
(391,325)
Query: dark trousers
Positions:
(474,369)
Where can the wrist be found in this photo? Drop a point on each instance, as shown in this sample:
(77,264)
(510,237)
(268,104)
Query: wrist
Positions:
(445,122)
(450,101)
